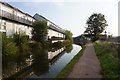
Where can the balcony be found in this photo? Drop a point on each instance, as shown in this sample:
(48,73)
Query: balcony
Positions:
(56,28)
(15,18)
(56,38)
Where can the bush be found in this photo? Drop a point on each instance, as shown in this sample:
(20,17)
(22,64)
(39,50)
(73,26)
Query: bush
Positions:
(21,41)
(9,50)
(108,59)
(57,45)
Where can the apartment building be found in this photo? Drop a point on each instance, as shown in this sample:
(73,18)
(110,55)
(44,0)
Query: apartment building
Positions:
(13,20)
(55,33)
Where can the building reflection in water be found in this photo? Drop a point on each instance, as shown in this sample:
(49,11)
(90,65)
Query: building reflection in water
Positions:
(38,62)
(52,54)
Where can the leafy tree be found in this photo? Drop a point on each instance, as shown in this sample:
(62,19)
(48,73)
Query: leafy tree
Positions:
(40,31)
(96,25)
(68,35)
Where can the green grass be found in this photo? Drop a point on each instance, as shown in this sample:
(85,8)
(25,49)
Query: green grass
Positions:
(108,56)
(69,67)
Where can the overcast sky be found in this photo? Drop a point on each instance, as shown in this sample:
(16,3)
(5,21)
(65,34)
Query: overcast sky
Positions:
(72,14)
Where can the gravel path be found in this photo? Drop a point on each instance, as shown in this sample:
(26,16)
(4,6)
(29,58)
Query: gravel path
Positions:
(88,66)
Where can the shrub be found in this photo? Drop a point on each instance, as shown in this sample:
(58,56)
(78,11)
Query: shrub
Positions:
(108,59)
(9,50)
(21,41)
(57,44)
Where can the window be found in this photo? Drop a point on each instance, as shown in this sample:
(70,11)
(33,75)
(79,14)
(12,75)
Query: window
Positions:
(4,33)
(4,25)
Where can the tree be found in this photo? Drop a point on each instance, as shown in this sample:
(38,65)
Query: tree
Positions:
(96,25)
(68,35)
(39,31)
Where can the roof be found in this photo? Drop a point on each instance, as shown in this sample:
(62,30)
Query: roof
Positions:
(6,4)
(56,27)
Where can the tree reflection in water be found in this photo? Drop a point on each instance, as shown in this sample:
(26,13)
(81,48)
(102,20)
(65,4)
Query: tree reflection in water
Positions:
(20,65)
(40,60)
(69,48)
(25,65)
(12,65)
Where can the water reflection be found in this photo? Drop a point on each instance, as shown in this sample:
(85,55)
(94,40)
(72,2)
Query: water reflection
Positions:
(52,54)
(40,61)
(69,48)
(35,64)
(11,65)
(62,60)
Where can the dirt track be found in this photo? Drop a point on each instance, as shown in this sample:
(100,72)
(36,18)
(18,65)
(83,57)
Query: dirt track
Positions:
(88,66)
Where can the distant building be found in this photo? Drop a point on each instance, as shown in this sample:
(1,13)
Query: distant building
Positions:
(102,37)
(80,40)
(55,33)
(13,20)
(114,39)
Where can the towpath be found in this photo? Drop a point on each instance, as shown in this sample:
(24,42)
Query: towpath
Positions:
(88,66)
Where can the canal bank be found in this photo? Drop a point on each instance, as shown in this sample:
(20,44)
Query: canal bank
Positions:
(109,59)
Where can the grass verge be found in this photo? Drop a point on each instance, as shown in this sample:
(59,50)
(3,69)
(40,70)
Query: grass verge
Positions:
(68,68)
(108,56)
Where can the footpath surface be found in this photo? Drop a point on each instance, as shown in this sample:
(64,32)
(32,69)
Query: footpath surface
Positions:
(88,66)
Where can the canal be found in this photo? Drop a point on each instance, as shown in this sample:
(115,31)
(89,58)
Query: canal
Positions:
(46,64)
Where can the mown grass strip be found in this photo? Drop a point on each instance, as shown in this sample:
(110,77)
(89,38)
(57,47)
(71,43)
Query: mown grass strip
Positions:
(69,67)
(107,54)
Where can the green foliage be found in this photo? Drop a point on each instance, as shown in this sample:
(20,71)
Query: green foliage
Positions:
(68,45)
(15,49)
(108,59)
(96,25)
(39,31)
(57,45)
(68,36)
(21,41)
(60,44)
(20,38)
(9,50)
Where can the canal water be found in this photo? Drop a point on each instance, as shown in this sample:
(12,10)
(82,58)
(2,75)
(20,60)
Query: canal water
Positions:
(46,64)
